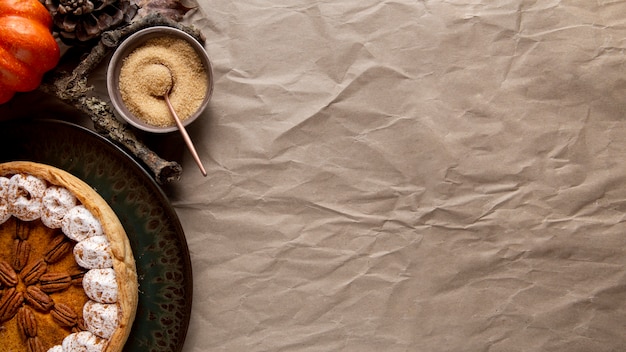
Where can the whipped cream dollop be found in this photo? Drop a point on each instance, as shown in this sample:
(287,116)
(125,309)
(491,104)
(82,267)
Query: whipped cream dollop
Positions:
(5,211)
(79,224)
(28,198)
(56,203)
(25,193)
(101,318)
(100,285)
(93,253)
(81,341)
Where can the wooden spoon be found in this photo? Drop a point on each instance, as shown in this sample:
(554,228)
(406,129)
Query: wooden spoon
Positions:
(163,89)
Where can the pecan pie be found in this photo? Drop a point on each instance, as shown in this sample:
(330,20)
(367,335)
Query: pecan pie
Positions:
(68,280)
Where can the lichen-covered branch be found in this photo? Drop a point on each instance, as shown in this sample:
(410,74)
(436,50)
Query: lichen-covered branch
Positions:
(112,39)
(105,123)
(72,88)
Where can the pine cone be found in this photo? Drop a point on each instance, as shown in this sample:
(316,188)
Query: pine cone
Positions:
(83,20)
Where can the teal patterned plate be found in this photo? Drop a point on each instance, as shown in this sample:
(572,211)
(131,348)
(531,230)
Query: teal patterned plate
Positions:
(155,233)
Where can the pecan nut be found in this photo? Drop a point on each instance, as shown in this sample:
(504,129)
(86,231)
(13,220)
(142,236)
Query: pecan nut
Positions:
(64,315)
(35,345)
(33,271)
(77,277)
(21,250)
(38,299)
(54,282)
(8,277)
(80,325)
(11,301)
(26,322)
(59,247)
(22,230)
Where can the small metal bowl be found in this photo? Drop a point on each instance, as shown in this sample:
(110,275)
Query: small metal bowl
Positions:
(127,46)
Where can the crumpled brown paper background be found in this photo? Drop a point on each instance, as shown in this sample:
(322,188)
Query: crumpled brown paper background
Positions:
(408,176)
(411,176)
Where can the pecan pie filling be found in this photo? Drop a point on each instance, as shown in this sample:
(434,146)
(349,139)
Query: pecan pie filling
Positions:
(67,275)
(42,295)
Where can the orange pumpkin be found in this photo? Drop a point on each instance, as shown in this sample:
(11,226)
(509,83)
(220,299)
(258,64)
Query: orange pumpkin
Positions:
(27,47)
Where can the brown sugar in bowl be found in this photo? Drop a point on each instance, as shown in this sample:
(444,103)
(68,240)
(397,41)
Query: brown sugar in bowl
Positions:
(128,81)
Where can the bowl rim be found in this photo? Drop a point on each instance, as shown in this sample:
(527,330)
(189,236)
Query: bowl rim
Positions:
(126,47)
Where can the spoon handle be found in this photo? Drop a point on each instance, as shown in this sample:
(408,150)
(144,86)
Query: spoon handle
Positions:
(186,137)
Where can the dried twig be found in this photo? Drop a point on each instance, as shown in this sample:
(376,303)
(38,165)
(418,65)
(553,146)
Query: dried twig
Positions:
(72,88)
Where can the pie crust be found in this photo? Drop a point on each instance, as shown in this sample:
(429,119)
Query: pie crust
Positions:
(68,279)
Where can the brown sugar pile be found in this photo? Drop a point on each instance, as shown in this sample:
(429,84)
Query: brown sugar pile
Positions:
(140,79)
(159,79)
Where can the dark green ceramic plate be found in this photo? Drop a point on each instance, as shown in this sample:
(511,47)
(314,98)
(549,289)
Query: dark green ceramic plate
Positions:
(155,233)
